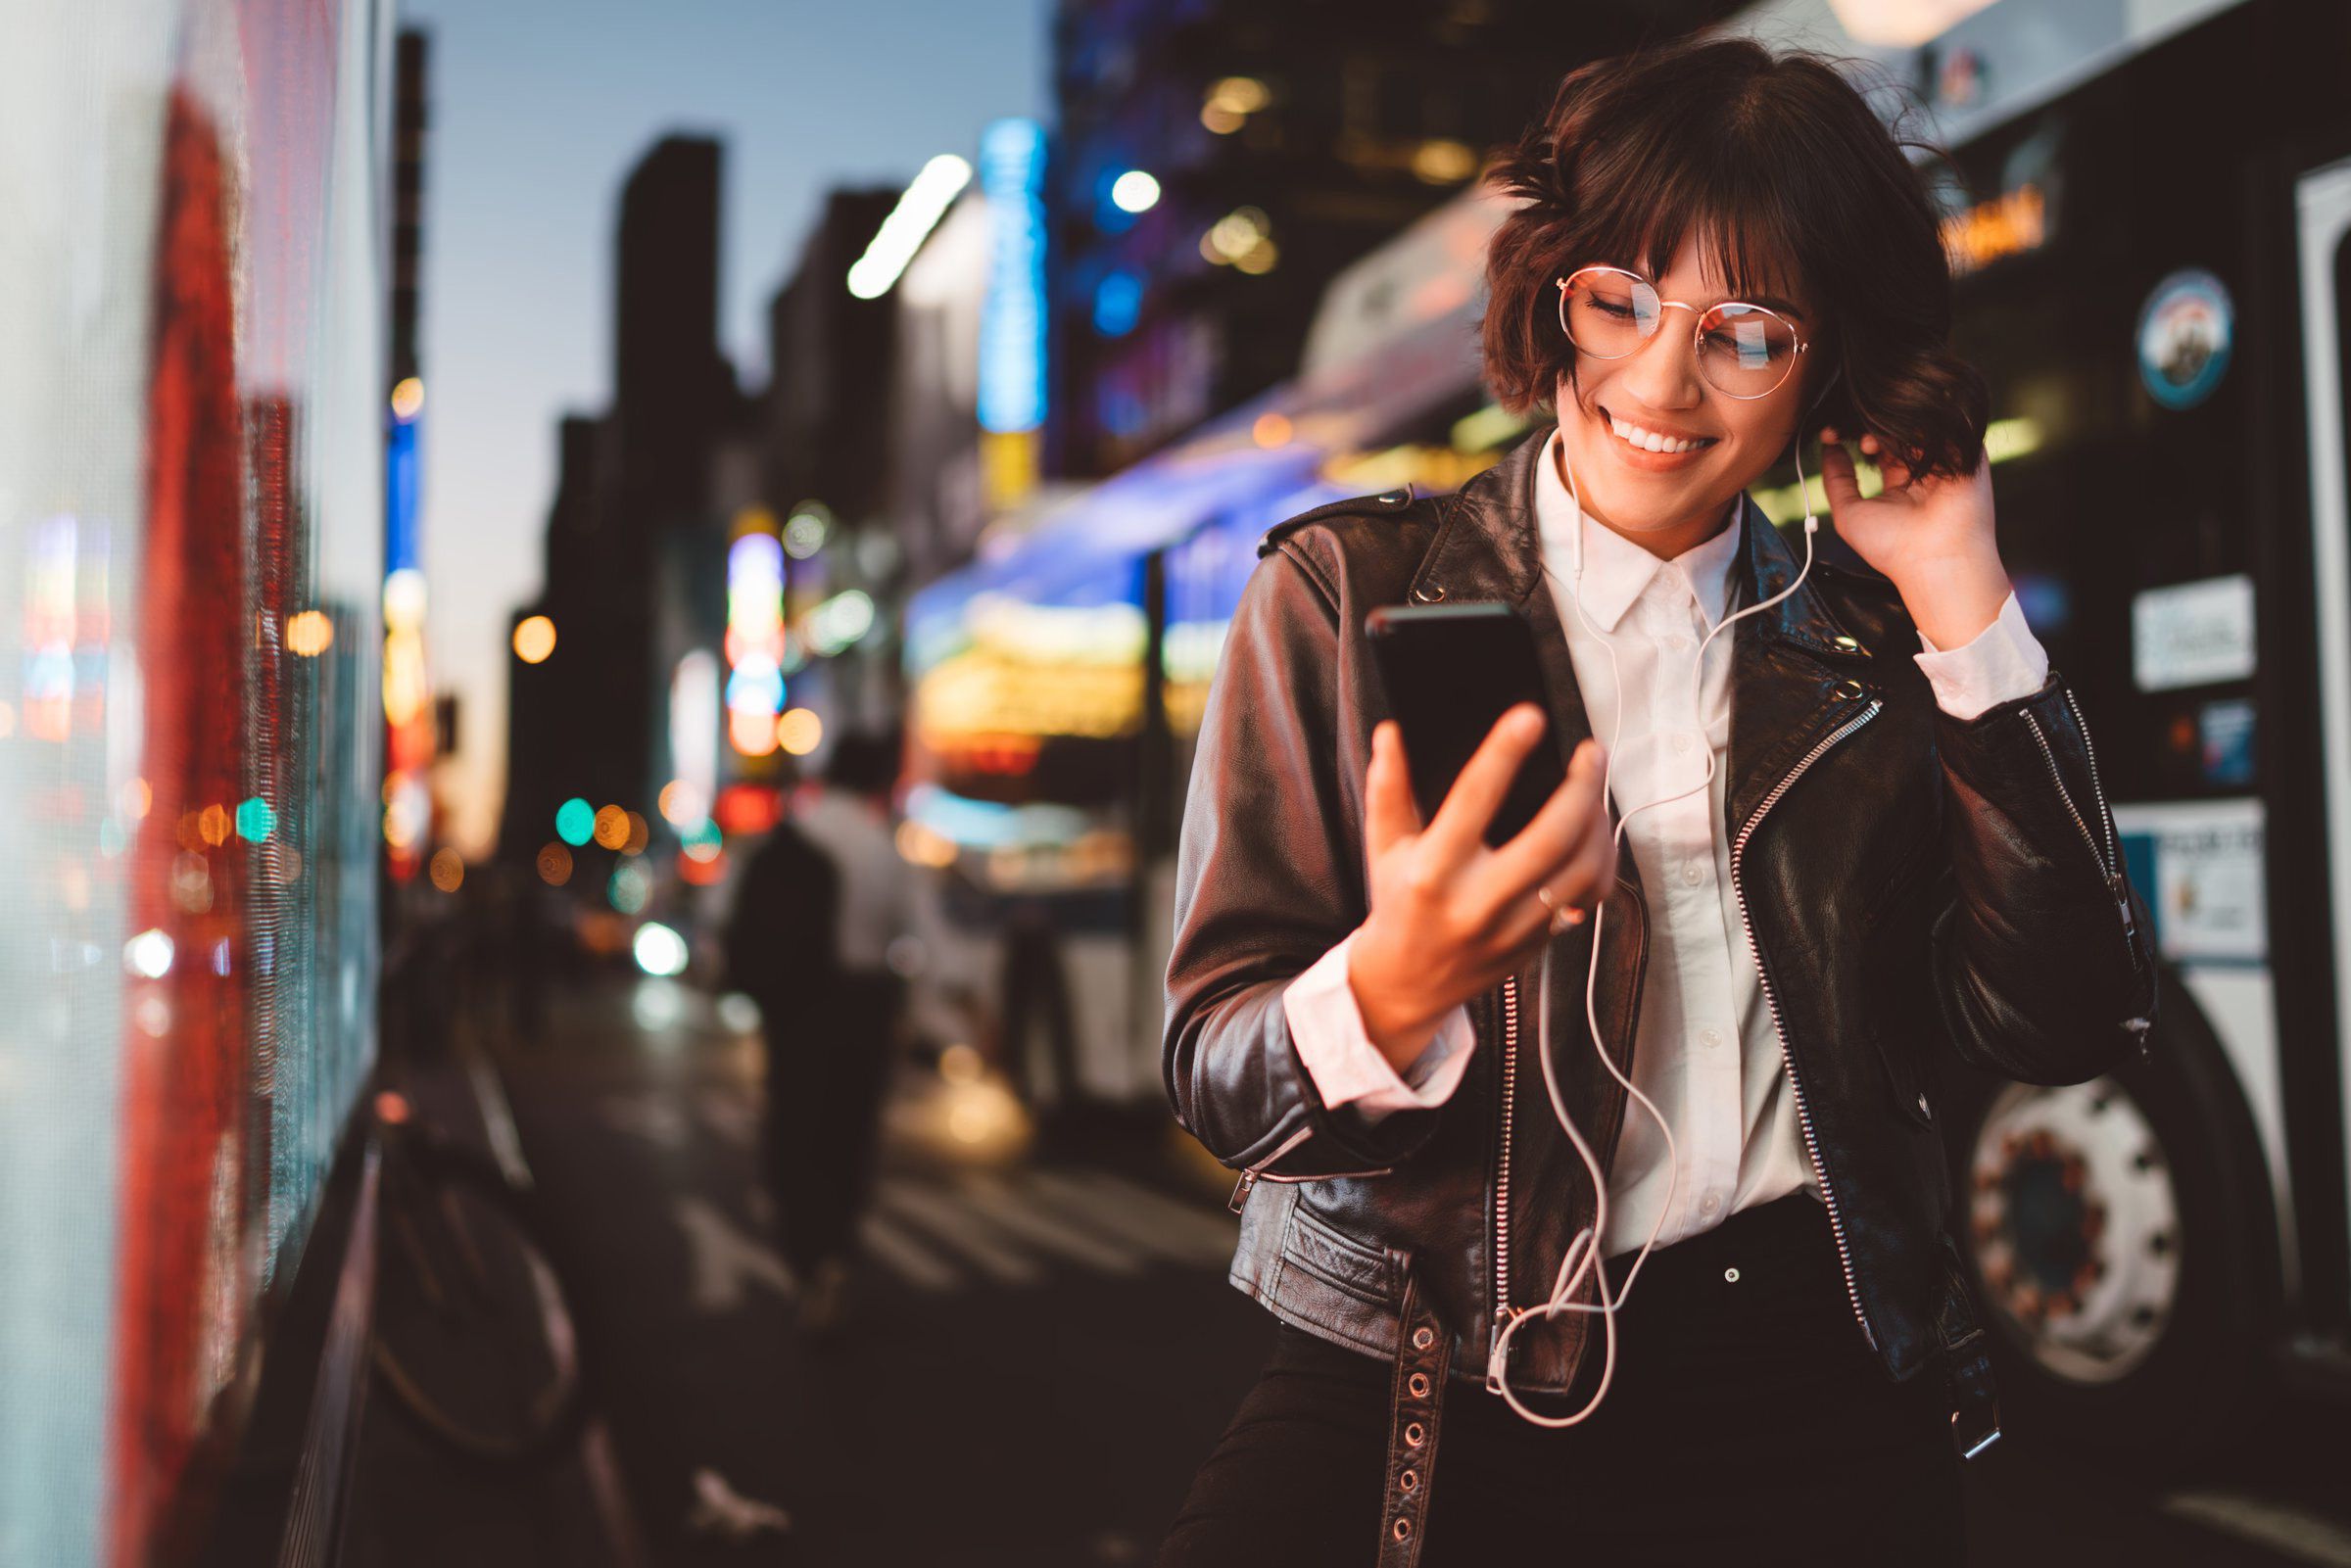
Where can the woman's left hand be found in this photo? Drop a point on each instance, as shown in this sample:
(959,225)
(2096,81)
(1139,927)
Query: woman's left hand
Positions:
(1932,538)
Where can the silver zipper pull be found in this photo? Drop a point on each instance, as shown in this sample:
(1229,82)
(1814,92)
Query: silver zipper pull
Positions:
(2122,901)
(1241,1192)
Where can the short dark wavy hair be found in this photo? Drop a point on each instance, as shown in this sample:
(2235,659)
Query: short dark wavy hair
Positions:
(1778,161)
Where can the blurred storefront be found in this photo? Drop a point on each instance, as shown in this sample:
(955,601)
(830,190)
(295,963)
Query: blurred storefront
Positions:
(192,432)
(1058,680)
(2149,220)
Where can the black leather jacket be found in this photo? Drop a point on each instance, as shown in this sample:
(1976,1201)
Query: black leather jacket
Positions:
(1915,885)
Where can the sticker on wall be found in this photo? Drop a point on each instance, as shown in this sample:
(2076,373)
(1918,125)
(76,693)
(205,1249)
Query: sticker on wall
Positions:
(2192,634)
(2184,330)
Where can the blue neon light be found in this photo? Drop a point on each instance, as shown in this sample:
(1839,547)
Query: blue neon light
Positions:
(1118,303)
(401,541)
(1012,315)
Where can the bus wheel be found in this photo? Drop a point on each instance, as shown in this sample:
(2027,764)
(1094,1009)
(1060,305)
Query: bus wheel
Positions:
(2123,1248)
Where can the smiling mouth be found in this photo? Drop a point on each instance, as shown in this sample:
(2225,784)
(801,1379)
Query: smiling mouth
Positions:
(1702,443)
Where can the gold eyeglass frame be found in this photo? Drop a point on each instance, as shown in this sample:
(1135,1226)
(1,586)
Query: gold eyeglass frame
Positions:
(1697,332)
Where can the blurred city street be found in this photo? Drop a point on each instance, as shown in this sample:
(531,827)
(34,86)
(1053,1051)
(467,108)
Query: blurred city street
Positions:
(1037,1352)
(687,711)
(1040,1347)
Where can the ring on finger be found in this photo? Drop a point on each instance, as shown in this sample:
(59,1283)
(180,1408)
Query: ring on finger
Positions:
(1563,916)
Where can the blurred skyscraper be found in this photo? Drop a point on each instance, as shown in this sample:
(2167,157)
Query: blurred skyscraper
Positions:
(584,721)
(1221,159)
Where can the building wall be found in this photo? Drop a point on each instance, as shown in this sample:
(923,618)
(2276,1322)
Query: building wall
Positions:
(191,538)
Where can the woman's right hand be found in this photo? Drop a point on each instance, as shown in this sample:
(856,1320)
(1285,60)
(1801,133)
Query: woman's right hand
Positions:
(1451,917)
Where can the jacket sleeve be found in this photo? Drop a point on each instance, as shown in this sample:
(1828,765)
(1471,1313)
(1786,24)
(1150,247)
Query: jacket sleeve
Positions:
(1270,877)
(2043,966)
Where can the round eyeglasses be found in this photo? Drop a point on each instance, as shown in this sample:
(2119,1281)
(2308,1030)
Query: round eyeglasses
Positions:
(1744,351)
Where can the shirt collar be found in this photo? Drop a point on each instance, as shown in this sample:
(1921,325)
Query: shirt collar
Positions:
(1618,571)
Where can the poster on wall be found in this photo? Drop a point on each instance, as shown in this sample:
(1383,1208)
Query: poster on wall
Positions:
(2198,865)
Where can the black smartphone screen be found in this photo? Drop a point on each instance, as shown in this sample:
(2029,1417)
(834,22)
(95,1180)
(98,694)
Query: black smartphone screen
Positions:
(1448,672)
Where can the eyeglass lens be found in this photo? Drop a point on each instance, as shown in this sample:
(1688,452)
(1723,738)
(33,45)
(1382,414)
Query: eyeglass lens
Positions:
(1744,350)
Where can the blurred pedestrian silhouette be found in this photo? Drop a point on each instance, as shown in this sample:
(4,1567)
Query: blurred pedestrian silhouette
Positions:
(1035,988)
(822,900)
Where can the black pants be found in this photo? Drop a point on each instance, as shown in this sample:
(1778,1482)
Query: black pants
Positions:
(829,1060)
(1748,1421)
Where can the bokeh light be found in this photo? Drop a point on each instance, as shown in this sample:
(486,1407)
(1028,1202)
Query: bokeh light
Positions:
(804,532)
(310,634)
(683,804)
(404,599)
(575,822)
(754,733)
(659,951)
(555,865)
(641,833)
(798,731)
(611,827)
(149,954)
(256,819)
(447,869)
(534,638)
(702,839)
(630,887)
(1134,191)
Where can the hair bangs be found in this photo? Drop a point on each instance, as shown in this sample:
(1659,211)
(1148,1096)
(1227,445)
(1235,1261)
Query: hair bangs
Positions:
(1795,189)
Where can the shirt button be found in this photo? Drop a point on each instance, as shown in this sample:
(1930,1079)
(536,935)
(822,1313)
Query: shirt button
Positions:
(1680,740)
(1693,873)
(1709,1203)
(1677,643)
(1710,1036)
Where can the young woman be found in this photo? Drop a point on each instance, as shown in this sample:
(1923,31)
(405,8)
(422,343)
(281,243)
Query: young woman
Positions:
(1610,1155)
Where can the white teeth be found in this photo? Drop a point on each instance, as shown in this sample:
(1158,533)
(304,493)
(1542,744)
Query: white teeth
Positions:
(1650,440)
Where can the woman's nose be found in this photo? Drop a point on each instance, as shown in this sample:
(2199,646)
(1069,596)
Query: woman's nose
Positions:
(1664,372)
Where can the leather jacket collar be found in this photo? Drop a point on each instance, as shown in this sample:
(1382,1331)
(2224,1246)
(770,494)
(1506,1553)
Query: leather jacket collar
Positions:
(1486,547)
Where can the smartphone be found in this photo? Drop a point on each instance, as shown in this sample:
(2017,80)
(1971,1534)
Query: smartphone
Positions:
(1448,672)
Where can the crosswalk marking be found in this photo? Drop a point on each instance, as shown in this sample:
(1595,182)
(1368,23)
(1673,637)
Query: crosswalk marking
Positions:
(905,1257)
(1167,1227)
(726,1258)
(1007,1211)
(950,1224)
(934,1231)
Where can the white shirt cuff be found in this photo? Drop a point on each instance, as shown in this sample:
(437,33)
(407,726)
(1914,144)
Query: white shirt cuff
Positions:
(1347,1068)
(2001,662)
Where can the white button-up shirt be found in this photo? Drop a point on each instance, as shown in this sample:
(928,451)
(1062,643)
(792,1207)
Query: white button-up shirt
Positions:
(1708,1052)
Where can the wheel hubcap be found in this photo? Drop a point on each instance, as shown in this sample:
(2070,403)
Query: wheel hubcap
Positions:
(2075,1226)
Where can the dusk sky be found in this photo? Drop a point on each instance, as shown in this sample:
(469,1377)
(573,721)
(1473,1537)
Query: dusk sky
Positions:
(539,111)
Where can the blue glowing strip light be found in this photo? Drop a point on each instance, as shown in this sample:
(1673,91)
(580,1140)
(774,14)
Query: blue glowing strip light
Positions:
(1012,315)
(400,542)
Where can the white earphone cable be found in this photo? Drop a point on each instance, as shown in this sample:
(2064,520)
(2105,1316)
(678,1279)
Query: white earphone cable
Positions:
(1583,1249)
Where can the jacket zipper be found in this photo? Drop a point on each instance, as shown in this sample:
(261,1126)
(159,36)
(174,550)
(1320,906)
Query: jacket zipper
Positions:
(1258,1172)
(1502,1170)
(2109,860)
(1803,1113)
